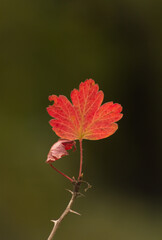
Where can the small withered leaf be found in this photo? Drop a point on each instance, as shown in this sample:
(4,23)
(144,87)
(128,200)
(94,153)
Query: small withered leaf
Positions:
(59,149)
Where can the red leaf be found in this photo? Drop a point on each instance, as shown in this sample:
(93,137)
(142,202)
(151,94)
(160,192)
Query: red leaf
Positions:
(85,118)
(59,149)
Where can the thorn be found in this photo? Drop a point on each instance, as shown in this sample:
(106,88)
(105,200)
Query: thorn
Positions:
(75,212)
(88,187)
(70,191)
(54,221)
(79,194)
(74,180)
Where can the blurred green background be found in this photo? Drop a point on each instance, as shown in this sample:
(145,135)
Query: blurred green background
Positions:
(49,47)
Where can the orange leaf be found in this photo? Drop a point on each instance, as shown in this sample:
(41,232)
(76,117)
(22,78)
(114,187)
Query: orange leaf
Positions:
(85,118)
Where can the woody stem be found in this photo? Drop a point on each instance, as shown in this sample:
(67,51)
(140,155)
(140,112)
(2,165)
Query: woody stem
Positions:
(63,174)
(75,194)
(81,160)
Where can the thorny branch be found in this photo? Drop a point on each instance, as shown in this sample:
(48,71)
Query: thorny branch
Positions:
(75,193)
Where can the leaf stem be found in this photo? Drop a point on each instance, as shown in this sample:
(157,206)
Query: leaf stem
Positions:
(63,174)
(81,160)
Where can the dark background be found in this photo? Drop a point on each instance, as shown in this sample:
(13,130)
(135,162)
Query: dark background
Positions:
(49,47)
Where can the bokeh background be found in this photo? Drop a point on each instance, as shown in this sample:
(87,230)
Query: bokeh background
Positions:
(49,47)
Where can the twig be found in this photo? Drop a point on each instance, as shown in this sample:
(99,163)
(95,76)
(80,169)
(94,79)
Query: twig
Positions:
(75,193)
